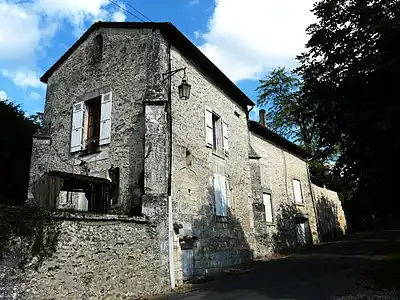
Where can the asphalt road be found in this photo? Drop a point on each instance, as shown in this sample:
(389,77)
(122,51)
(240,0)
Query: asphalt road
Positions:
(326,272)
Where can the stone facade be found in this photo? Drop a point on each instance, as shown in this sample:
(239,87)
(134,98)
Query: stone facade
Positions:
(219,243)
(93,258)
(332,220)
(131,69)
(273,173)
(159,143)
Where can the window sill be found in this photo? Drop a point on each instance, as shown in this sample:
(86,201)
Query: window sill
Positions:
(86,153)
(300,204)
(270,223)
(218,154)
(221,219)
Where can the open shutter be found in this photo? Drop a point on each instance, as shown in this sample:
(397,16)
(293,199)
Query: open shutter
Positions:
(225,135)
(77,127)
(105,119)
(209,127)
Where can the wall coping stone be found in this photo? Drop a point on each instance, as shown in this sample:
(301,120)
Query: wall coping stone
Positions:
(84,216)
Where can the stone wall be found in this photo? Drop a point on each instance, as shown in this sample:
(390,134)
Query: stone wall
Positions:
(273,173)
(217,244)
(131,69)
(93,258)
(331,217)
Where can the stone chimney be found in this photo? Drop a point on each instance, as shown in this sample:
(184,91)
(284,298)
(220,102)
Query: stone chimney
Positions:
(263,116)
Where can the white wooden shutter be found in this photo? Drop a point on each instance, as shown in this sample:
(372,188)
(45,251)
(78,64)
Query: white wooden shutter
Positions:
(224,198)
(105,119)
(225,135)
(209,127)
(297,191)
(77,126)
(268,207)
(221,200)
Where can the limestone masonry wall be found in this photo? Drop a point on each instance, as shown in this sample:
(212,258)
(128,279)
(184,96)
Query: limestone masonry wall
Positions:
(92,259)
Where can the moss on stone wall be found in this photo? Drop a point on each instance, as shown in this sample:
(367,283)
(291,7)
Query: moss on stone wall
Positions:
(27,233)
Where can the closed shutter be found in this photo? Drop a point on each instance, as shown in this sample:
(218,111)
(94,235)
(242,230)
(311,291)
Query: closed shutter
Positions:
(268,207)
(225,135)
(298,198)
(221,200)
(77,126)
(209,127)
(105,119)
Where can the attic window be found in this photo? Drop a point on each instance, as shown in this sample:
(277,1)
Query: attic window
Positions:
(97,48)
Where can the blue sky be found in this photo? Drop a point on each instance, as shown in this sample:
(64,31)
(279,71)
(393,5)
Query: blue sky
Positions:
(244,38)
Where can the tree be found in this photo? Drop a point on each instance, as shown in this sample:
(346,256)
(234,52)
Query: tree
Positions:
(281,92)
(15,152)
(350,74)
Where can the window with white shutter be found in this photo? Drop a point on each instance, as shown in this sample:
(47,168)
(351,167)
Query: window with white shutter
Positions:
(105,119)
(220,197)
(225,135)
(268,207)
(209,127)
(77,126)
(298,197)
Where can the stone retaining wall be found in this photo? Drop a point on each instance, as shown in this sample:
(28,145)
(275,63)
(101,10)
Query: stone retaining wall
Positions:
(93,258)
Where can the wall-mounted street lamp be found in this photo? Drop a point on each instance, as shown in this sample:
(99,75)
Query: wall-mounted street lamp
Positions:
(184,87)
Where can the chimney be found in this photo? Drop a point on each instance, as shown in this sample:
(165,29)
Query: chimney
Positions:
(263,117)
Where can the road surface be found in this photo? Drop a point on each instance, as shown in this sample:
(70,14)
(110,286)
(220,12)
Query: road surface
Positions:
(327,272)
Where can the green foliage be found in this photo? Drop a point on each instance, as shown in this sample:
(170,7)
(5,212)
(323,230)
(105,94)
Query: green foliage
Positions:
(16,141)
(27,232)
(350,77)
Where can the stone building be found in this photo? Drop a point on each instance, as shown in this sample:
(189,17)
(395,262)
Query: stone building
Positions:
(189,186)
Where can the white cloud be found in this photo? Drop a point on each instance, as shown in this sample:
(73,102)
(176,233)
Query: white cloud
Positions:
(24,25)
(27,27)
(34,96)
(118,17)
(245,38)
(3,95)
(23,78)
(19,31)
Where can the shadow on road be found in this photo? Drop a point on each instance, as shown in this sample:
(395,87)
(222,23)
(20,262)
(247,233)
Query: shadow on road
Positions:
(331,270)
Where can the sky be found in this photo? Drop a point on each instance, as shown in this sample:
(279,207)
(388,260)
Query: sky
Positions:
(245,38)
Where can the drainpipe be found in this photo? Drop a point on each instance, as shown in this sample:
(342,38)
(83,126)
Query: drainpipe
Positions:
(313,201)
(170,226)
(171,244)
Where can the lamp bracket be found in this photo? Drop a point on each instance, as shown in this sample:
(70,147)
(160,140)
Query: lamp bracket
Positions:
(168,75)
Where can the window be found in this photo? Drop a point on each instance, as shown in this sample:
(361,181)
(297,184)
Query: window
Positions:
(216,132)
(220,198)
(91,124)
(268,207)
(298,197)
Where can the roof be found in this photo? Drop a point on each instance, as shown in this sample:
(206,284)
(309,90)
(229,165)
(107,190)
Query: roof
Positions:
(80,177)
(176,38)
(277,139)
